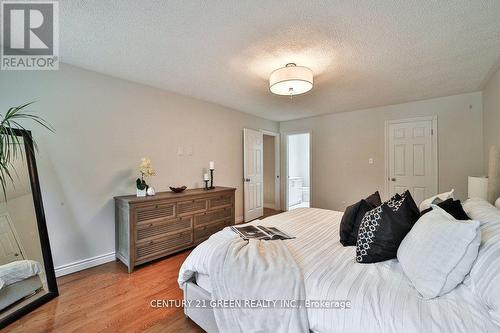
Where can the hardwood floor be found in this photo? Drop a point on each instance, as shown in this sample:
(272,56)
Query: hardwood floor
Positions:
(270,212)
(108,299)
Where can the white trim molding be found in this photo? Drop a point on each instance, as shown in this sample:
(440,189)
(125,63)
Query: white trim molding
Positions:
(84,264)
(239,219)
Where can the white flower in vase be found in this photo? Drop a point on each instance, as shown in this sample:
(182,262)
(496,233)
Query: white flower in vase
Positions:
(146,170)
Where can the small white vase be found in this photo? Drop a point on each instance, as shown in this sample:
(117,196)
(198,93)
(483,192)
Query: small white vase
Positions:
(141,193)
(151,191)
(497,203)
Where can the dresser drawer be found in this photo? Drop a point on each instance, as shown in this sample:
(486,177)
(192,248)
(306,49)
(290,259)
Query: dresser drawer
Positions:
(221,201)
(157,226)
(192,206)
(202,233)
(212,216)
(163,245)
(156,211)
(152,230)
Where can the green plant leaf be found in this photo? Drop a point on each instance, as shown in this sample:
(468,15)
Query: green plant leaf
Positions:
(11,145)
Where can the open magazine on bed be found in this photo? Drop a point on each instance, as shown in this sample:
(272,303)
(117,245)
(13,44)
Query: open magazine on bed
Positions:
(260,232)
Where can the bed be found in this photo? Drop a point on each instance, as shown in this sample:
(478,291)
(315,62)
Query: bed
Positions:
(18,280)
(382,298)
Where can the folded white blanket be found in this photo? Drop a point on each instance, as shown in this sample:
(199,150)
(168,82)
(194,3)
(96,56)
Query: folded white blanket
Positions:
(260,272)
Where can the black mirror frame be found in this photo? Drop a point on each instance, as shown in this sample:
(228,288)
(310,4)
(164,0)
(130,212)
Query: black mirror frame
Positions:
(42,232)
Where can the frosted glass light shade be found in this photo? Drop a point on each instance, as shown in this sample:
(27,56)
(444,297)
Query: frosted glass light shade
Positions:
(291,80)
(478,187)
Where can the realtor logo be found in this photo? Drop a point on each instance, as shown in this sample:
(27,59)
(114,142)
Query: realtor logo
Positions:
(30,35)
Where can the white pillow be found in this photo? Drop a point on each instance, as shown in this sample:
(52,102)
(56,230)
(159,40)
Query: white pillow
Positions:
(438,252)
(442,196)
(482,211)
(484,278)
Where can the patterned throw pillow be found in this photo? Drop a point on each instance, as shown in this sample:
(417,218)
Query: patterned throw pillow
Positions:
(383,228)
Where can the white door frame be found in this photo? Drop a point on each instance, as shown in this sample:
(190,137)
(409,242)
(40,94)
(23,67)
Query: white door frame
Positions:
(435,148)
(285,164)
(277,168)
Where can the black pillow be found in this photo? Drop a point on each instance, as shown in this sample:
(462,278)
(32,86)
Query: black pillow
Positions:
(411,203)
(452,207)
(382,229)
(352,218)
(374,200)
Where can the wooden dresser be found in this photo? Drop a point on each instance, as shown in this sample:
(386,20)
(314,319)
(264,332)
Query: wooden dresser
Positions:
(149,228)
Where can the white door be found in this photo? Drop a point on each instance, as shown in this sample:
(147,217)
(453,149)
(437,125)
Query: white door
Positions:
(412,158)
(9,248)
(253,173)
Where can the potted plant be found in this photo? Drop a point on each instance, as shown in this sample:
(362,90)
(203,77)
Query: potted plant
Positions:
(146,170)
(10,143)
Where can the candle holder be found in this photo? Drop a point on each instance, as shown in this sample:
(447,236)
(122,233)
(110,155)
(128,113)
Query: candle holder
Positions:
(212,179)
(206,185)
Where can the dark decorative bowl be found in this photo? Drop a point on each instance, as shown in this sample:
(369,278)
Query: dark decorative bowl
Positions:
(177,189)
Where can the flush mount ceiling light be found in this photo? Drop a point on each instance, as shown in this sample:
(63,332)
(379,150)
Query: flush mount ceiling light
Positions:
(291,80)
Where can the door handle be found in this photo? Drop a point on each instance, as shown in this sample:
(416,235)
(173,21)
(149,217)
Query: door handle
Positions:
(16,254)
(247,179)
(393,179)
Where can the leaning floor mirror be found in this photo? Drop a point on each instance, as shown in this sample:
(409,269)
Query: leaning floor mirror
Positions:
(27,278)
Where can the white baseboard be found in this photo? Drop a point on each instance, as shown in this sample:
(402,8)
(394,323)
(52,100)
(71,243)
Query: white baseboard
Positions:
(84,264)
(239,219)
(269,205)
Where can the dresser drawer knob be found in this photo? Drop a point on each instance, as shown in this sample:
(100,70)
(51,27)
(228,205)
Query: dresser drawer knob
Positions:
(151,224)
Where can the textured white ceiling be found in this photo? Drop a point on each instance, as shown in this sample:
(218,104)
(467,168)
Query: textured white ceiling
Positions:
(363,53)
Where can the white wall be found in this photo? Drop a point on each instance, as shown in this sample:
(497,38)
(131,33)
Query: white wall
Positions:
(103,127)
(491,116)
(269,171)
(343,142)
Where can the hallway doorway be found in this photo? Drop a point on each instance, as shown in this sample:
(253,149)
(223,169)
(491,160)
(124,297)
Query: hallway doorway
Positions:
(298,169)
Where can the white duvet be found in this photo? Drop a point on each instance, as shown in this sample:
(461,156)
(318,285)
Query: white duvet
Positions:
(382,298)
